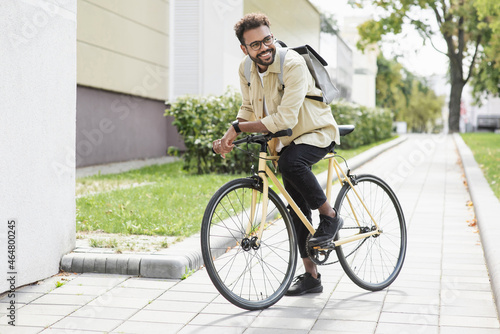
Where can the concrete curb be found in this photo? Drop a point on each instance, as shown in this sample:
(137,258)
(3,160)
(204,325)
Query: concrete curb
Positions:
(180,258)
(487,209)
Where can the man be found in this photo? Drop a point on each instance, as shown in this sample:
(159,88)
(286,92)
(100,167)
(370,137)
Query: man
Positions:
(269,107)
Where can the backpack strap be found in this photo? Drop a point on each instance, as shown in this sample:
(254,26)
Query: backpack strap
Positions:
(282,53)
(248,67)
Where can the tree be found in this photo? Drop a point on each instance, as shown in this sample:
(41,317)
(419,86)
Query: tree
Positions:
(407,96)
(389,86)
(487,78)
(467,33)
(329,24)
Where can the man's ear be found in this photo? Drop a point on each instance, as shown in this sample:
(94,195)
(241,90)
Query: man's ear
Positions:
(244,49)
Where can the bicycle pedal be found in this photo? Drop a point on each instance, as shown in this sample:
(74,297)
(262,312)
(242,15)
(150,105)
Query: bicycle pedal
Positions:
(325,246)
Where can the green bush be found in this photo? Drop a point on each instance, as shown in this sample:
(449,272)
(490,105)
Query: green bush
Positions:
(202,119)
(372,124)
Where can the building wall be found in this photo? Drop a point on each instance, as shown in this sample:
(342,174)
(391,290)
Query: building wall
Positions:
(339,57)
(37,123)
(364,64)
(118,127)
(296,24)
(122,74)
(120,43)
(205,51)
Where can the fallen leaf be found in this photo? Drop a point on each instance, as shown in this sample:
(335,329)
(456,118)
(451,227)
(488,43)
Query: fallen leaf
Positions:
(473,222)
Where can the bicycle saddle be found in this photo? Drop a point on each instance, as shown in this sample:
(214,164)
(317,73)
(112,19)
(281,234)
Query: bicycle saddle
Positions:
(346,129)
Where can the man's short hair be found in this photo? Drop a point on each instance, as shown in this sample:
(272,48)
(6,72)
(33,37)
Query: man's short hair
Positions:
(248,22)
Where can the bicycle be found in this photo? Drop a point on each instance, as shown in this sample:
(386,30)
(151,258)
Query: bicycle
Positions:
(248,238)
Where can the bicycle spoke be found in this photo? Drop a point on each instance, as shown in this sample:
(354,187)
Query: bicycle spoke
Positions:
(250,274)
(373,262)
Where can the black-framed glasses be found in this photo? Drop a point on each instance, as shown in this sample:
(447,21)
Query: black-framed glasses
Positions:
(258,44)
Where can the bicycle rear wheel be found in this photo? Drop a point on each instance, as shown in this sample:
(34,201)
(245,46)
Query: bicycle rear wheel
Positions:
(372,263)
(249,275)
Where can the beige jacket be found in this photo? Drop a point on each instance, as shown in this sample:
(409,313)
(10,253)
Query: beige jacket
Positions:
(311,121)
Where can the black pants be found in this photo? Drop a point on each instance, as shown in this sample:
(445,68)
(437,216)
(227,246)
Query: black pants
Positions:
(300,182)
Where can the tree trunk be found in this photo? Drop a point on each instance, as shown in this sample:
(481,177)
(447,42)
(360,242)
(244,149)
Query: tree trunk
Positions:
(457,86)
(454,106)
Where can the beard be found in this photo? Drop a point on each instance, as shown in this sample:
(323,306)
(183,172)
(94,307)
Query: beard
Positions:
(263,62)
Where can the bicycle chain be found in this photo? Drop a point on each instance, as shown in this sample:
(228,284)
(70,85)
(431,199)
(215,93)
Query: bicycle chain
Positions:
(314,256)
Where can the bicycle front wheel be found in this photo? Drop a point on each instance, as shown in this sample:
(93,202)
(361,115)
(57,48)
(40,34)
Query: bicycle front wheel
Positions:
(372,263)
(249,274)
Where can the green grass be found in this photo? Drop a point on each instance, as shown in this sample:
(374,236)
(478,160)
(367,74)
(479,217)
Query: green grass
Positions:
(154,200)
(171,203)
(486,150)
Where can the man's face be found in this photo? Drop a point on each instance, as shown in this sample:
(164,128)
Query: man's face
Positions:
(264,55)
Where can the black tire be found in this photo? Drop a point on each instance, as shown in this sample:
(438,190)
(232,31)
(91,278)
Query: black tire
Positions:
(372,263)
(249,276)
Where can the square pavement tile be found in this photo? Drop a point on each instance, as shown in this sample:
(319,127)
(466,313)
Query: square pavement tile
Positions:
(137,327)
(361,305)
(98,280)
(409,318)
(125,292)
(188,296)
(228,308)
(476,311)
(75,323)
(112,301)
(149,283)
(344,325)
(21,298)
(175,305)
(279,331)
(194,287)
(80,290)
(287,323)
(196,329)
(100,312)
(467,321)
(389,328)
(349,314)
(431,308)
(170,317)
(223,320)
(67,331)
(19,329)
(55,299)
(467,330)
(34,309)
(34,320)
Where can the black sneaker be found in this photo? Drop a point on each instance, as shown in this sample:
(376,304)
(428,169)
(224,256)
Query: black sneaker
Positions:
(305,283)
(327,229)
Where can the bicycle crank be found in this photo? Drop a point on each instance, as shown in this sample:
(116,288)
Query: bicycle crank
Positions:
(319,254)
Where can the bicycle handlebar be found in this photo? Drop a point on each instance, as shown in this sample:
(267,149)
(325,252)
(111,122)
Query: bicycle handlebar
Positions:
(260,139)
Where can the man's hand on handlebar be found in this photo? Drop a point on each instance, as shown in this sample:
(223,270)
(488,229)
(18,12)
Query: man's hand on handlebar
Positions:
(225,144)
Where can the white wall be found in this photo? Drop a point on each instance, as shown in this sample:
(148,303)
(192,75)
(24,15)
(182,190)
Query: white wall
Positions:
(364,63)
(37,131)
(221,51)
(204,51)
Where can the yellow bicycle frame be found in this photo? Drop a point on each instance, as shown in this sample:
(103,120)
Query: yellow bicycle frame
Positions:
(265,172)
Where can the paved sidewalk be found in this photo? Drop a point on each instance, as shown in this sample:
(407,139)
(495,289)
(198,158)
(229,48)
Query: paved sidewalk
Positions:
(443,288)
